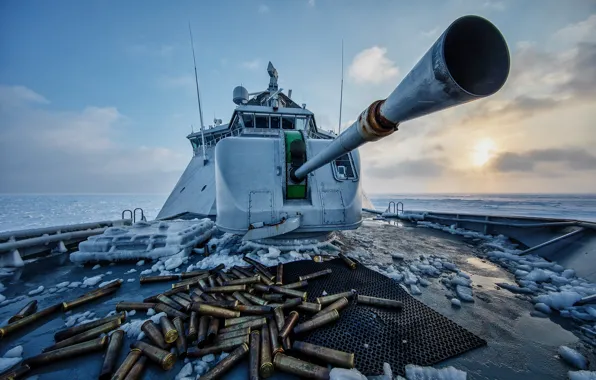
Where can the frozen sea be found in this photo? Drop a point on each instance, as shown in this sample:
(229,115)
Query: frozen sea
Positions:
(29,211)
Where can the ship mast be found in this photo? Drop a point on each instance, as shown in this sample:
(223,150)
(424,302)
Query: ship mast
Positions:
(341,91)
(198,94)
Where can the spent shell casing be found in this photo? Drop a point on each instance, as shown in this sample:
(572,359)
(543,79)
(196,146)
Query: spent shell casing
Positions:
(260,268)
(17,373)
(244,281)
(337,305)
(286,344)
(232,334)
(224,345)
(75,330)
(150,279)
(243,300)
(228,297)
(266,365)
(190,282)
(255,353)
(255,309)
(334,297)
(266,281)
(224,277)
(288,292)
(184,295)
(328,355)
(193,326)
(136,372)
(252,324)
(289,324)
(170,312)
(211,280)
(217,296)
(275,297)
(274,338)
(29,309)
(162,357)
(181,345)
(226,364)
(218,268)
(291,303)
(109,362)
(300,368)
(234,321)
(91,296)
(351,264)
(214,311)
(202,332)
(67,352)
(153,333)
(227,289)
(212,329)
(170,302)
(314,275)
(296,285)
(127,364)
(279,276)
(196,273)
(219,281)
(261,288)
(309,307)
(8,329)
(138,306)
(317,259)
(381,302)
(280,318)
(85,336)
(255,300)
(181,301)
(203,284)
(314,323)
(169,292)
(238,274)
(247,271)
(168,330)
(221,303)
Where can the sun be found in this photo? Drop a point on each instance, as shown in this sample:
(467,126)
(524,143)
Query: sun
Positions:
(483,151)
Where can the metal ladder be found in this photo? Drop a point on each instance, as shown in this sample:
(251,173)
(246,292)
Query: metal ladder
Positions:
(396,208)
(133,214)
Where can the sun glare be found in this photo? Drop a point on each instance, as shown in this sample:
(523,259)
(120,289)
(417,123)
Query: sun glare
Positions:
(483,151)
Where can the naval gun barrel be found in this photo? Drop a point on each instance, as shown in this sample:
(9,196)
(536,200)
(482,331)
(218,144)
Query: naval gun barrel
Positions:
(469,61)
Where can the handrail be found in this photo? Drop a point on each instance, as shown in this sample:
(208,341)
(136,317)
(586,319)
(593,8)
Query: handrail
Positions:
(12,245)
(518,225)
(64,228)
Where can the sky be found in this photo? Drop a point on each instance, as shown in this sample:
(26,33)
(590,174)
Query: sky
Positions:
(98,96)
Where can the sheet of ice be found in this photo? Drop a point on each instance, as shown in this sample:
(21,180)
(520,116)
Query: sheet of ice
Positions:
(8,301)
(581,375)
(130,271)
(174,262)
(345,374)
(36,291)
(97,266)
(92,281)
(414,372)
(15,352)
(130,280)
(145,240)
(75,284)
(7,363)
(573,358)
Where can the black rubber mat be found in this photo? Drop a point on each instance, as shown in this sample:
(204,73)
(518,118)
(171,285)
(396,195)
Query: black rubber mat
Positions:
(416,335)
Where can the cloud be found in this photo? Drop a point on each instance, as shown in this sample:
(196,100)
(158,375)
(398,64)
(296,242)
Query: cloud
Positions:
(423,167)
(13,96)
(568,158)
(78,152)
(263,8)
(433,33)
(311,3)
(251,65)
(495,5)
(372,66)
(581,31)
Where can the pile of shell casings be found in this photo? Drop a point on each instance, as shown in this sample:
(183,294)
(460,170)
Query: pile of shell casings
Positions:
(244,311)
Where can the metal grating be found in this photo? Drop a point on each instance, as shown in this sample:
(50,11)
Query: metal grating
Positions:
(416,335)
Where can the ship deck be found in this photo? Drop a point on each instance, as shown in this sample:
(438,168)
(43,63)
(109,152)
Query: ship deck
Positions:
(520,346)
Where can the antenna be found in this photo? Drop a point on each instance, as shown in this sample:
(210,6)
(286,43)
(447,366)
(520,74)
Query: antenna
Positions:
(341,91)
(192,44)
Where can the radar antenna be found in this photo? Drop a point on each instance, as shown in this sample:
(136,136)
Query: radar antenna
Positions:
(341,91)
(192,44)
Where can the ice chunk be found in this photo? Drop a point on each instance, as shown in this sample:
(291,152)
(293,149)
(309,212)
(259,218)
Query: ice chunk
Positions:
(11,260)
(131,312)
(415,290)
(543,308)
(130,271)
(464,293)
(458,280)
(514,289)
(6,363)
(108,282)
(424,282)
(537,275)
(559,280)
(36,291)
(96,267)
(450,266)
(409,277)
(573,358)
(186,371)
(387,371)
(559,300)
(455,302)
(62,284)
(345,374)
(173,262)
(521,273)
(15,352)
(581,375)
(75,284)
(146,271)
(200,367)
(109,272)
(208,358)
(150,312)
(130,280)
(414,372)
(568,273)
(140,262)
(92,281)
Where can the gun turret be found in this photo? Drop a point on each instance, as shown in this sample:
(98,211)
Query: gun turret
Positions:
(469,61)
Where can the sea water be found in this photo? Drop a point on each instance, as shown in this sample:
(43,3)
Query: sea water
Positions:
(32,211)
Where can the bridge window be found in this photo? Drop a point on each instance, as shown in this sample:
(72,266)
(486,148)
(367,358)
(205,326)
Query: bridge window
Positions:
(248,119)
(261,121)
(301,123)
(275,122)
(287,122)
(343,168)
